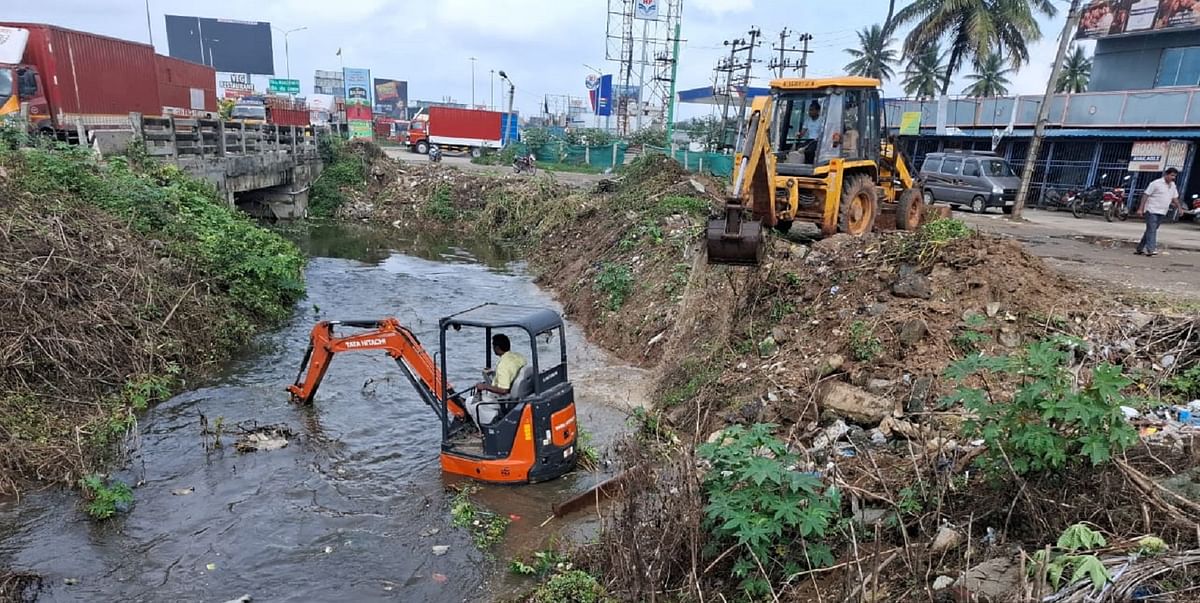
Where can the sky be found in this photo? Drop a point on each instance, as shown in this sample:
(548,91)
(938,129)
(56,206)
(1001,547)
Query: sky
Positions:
(544,47)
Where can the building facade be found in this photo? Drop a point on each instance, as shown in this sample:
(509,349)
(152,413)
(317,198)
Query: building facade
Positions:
(1140,114)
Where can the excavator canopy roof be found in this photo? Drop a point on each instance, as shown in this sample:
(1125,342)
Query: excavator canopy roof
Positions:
(848,81)
(497,316)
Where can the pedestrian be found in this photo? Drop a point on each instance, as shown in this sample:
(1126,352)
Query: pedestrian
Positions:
(1157,199)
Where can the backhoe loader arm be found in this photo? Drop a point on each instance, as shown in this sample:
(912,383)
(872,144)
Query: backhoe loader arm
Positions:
(387,335)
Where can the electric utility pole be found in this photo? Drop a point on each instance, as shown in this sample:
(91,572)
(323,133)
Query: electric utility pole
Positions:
(1039,129)
(783,63)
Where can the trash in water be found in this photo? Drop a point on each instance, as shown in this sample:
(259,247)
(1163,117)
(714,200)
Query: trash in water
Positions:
(182,491)
(267,437)
(440,578)
(212,567)
(241,599)
(441,549)
(426,533)
(328,550)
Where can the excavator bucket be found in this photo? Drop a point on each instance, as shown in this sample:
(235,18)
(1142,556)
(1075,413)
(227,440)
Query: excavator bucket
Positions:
(733,239)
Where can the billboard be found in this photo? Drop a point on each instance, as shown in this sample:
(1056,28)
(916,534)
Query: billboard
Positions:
(357,83)
(223,44)
(601,95)
(391,98)
(1103,18)
(646,10)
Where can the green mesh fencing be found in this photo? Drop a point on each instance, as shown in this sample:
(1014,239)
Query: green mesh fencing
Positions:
(595,156)
(714,164)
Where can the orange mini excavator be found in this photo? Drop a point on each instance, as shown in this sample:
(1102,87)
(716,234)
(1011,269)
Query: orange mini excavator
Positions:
(531,438)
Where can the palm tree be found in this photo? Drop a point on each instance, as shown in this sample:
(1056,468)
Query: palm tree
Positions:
(875,58)
(925,72)
(888,24)
(1076,71)
(990,78)
(975,29)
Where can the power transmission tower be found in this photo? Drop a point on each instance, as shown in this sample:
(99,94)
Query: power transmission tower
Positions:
(783,63)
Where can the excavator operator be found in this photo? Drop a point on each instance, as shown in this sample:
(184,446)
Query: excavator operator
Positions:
(481,405)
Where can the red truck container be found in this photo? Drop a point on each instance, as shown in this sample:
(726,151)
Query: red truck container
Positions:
(181,82)
(459,130)
(66,75)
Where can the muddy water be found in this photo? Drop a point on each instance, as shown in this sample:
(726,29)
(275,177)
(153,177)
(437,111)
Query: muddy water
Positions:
(346,510)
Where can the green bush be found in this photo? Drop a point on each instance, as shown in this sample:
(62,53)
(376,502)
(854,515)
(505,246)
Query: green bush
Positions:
(574,586)
(756,499)
(441,205)
(1046,423)
(261,272)
(615,281)
(105,498)
(342,170)
(655,137)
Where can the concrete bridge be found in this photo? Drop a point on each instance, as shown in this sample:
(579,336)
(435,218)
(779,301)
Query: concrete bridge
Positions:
(264,169)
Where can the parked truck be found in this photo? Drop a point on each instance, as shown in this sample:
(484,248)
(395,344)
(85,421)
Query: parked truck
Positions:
(59,79)
(461,130)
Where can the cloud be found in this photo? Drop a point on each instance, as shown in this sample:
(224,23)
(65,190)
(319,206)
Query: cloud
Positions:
(720,7)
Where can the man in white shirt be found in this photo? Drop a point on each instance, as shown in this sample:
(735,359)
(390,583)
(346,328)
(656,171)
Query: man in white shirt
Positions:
(1157,199)
(812,129)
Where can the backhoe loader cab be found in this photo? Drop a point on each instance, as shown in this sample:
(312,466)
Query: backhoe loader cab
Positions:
(531,434)
(813,150)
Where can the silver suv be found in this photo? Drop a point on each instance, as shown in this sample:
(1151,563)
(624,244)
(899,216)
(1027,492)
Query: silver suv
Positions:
(976,179)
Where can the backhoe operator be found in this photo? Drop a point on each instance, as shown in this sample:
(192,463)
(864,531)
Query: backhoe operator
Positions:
(811,130)
(481,405)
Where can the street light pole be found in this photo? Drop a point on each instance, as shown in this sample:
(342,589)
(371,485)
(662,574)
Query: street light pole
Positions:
(511,92)
(472,82)
(287,55)
(492,102)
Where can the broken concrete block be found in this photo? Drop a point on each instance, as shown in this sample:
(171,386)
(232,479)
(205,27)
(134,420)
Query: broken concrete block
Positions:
(853,404)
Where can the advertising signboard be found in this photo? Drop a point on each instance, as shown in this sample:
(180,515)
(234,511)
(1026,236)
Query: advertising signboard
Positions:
(358,101)
(646,10)
(223,44)
(391,98)
(1103,18)
(1148,156)
(910,123)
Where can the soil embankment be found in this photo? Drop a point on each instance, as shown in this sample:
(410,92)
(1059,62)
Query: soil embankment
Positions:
(885,366)
(118,282)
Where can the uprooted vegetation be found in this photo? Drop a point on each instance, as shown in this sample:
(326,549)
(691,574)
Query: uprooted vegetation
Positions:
(118,281)
(904,416)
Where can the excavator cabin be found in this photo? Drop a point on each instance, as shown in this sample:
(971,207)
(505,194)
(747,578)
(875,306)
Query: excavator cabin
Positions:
(527,435)
(813,150)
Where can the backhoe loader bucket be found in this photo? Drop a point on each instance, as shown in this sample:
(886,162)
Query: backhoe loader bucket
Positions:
(734,240)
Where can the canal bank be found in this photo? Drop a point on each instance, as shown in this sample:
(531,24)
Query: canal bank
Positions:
(355,504)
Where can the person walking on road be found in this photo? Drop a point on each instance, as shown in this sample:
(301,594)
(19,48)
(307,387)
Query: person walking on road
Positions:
(1157,199)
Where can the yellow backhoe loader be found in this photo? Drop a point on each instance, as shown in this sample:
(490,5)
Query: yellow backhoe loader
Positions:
(814,150)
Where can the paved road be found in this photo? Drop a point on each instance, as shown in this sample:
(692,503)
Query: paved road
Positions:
(463,162)
(1093,249)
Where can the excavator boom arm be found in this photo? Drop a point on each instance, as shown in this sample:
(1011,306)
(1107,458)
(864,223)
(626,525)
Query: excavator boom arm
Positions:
(387,335)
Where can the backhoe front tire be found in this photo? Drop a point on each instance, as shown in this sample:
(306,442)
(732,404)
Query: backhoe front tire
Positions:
(908,212)
(856,213)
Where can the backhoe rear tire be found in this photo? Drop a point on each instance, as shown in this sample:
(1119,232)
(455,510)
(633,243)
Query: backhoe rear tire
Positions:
(908,212)
(856,213)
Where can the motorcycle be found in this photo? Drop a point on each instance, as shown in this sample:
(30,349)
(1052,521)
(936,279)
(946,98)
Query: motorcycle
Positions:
(1054,199)
(1099,199)
(435,154)
(525,163)
(1114,202)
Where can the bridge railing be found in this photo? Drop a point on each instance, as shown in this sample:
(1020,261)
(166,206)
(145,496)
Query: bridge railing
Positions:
(200,138)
